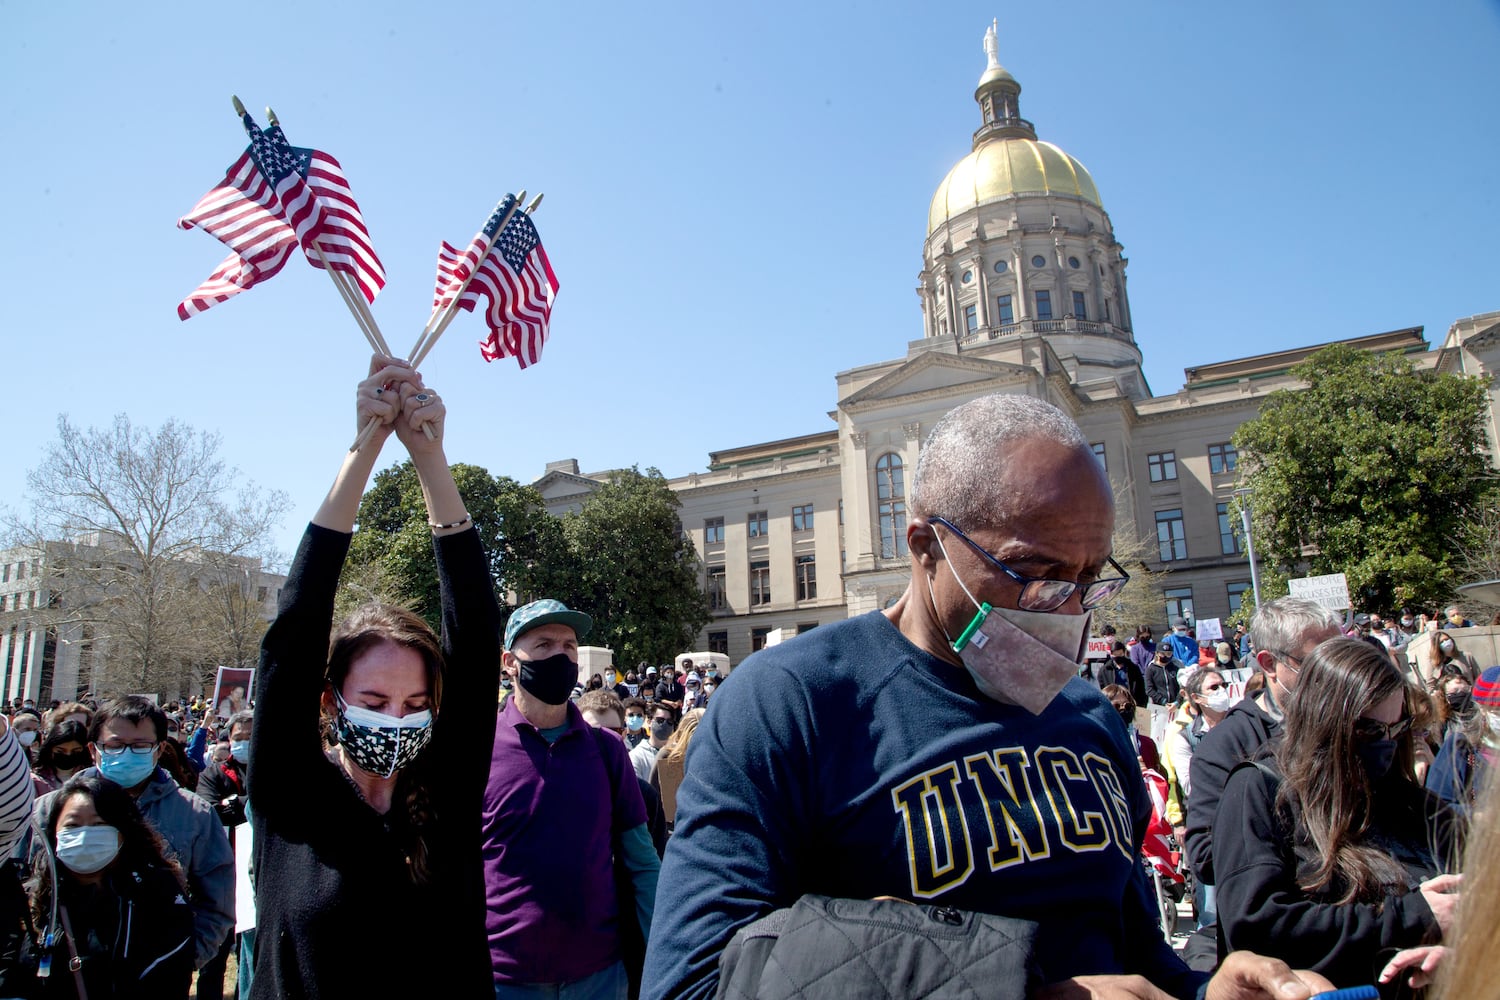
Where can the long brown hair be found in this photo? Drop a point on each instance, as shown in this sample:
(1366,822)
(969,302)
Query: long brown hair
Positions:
(1341,680)
(370,626)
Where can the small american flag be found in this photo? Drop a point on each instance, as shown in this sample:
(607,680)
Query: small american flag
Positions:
(454,267)
(272,196)
(517,281)
(318,204)
(241,211)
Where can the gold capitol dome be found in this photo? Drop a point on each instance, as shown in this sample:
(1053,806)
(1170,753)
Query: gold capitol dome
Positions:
(1008,160)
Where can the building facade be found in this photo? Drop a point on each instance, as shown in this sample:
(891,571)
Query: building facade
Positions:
(55,614)
(1023,290)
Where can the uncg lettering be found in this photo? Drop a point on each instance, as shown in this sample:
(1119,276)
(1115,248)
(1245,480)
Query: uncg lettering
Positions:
(1032,805)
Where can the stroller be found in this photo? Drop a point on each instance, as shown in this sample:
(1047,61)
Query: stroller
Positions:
(1162,856)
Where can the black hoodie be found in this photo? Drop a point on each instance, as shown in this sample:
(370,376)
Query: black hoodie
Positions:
(1242,732)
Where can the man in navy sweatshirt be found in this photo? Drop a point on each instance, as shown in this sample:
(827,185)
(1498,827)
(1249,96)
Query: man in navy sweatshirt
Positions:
(944,750)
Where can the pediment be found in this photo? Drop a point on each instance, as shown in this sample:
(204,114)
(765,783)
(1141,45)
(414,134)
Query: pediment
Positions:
(556,485)
(1486,338)
(932,372)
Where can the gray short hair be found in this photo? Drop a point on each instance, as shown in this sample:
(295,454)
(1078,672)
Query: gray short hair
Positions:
(957,474)
(240,718)
(1282,625)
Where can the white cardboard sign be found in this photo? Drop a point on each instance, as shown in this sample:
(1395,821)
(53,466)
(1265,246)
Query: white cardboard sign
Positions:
(1331,591)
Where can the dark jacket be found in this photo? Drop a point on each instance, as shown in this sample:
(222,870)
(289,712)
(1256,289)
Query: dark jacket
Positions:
(1137,681)
(1458,772)
(1236,739)
(220,782)
(135,937)
(1161,684)
(1262,907)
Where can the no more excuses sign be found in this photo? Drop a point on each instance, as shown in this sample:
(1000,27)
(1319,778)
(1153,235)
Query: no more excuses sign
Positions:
(1331,591)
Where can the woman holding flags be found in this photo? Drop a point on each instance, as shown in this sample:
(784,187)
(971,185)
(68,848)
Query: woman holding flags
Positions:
(367,853)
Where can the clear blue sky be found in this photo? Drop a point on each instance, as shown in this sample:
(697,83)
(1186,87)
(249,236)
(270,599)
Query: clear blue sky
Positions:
(736,201)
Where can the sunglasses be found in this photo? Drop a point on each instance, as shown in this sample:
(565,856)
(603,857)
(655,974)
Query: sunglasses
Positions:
(1369,730)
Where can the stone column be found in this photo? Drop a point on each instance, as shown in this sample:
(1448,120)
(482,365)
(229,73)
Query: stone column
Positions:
(1017,263)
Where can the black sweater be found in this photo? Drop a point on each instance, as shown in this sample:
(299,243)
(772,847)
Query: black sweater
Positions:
(1263,909)
(337,914)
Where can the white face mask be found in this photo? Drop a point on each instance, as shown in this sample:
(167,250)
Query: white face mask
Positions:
(1020,658)
(1218,701)
(26,737)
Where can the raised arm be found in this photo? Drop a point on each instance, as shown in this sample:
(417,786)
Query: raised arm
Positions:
(294,651)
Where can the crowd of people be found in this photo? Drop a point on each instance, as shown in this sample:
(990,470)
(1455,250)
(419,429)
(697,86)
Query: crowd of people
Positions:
(464,808)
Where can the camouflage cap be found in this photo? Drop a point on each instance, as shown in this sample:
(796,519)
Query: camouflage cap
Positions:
(545,612)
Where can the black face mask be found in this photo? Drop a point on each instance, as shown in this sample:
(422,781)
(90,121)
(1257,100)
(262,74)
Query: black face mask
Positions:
(1459,701)
(661,730)
(549,681)
(71,761)
(1377,757)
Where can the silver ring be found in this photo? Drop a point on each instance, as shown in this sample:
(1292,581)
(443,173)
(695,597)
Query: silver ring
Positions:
(423,397)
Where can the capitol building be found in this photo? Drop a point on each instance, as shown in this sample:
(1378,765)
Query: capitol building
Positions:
(1023,290)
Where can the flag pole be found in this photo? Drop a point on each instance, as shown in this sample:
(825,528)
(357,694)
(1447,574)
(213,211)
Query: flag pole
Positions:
(438,322)
(353,297)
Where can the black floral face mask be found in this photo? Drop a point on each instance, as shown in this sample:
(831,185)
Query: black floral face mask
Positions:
(378,743)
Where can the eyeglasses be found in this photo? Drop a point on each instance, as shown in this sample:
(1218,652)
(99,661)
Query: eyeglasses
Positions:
(1049,595)
(139,749)
(1288,659)
(1369,730)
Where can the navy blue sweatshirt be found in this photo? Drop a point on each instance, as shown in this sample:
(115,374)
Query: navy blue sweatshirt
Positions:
(850,762)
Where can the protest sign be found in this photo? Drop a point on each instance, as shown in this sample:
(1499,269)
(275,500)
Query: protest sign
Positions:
(1331,591)
(1209,628)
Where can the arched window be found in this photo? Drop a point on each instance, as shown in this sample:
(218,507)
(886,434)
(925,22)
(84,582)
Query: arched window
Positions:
(890,497)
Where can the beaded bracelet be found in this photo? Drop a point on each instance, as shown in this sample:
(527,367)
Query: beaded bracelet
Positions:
(454,524)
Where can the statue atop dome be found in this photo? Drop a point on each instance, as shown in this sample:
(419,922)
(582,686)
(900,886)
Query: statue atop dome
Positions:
(992,44)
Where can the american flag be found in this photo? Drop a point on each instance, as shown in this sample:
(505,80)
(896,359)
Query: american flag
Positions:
(1157,850)
(454,267)
(517,281)
(317,202)
(242,212)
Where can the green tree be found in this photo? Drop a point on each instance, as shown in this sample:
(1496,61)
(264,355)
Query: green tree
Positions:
(1372,470)
(636,572)
(391,555)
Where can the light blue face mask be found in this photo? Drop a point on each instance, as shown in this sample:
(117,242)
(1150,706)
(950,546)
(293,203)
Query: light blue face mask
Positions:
(127,769)
(88,849)
(240,750)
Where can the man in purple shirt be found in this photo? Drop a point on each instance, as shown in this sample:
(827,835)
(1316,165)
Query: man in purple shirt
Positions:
(561,809)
